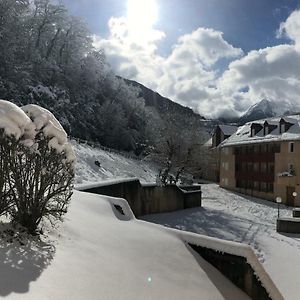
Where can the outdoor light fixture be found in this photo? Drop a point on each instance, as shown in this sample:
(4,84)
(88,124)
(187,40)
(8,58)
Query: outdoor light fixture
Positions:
(294,194)
(278,200)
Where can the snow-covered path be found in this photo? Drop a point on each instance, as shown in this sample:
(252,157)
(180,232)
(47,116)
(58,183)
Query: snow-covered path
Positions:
(241,218)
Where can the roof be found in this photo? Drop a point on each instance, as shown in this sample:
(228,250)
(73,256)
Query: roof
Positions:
(243,134)
(228,129)
(290,120)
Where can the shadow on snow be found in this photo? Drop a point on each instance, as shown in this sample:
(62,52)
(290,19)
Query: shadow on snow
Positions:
(22,260)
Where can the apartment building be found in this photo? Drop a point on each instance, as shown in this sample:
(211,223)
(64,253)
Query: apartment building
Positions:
(262,159)
(212,157)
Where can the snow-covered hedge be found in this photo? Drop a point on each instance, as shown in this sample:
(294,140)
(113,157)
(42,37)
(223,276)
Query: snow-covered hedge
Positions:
(36,165)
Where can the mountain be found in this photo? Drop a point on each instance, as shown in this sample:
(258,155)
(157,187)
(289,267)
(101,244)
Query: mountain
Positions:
(180,117)
(266,109)
(162,104)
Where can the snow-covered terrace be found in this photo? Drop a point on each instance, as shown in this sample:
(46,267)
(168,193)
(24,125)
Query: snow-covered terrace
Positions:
(98,253)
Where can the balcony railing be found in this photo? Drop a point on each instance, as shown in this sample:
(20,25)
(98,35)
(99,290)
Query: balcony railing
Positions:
(255,157)
(254,176)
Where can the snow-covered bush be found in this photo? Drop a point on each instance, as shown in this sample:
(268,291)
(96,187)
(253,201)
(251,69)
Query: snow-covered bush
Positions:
(38,164)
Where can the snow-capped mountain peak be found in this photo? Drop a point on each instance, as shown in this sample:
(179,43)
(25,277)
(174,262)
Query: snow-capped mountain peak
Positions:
(266,109)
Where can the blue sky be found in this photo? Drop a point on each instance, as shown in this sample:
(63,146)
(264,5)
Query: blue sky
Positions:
(247,24)
(206,36)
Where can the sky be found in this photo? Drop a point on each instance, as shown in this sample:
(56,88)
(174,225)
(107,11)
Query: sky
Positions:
(217,57)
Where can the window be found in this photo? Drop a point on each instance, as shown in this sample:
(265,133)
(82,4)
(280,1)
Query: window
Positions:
(253,132)
(266,130)
(263,186)
(291,169)
(244,166)
(291,147)
(225,165)
(271,168)
(256,149)
(282,128)
(263,167)
(225,181)
(255,167)
(270,187)
(249,166)
(256,185)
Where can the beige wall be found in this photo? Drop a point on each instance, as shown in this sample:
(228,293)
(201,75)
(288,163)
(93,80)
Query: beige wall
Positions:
(227,168)
(282,160)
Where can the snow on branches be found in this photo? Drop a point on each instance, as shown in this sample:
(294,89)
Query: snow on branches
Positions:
(36,165)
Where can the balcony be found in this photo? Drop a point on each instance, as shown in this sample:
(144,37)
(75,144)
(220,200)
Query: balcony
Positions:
(254,176)
(255,157)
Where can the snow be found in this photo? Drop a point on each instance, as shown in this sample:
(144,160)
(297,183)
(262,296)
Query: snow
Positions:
(99,254)
(44,120)
(24,123)
(106,182)
(112,166)
(240,218)
(12,119)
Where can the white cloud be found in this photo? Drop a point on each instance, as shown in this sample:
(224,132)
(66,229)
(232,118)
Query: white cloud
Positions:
(188,74)
(184,75)
(291,27)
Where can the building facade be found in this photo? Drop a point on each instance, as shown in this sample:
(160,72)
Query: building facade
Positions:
(212,159)
(262,159)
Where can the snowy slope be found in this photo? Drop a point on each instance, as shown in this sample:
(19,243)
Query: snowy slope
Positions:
(99,254)
(236,217)
(112,166)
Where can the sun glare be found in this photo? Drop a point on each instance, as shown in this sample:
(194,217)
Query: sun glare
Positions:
(141,16)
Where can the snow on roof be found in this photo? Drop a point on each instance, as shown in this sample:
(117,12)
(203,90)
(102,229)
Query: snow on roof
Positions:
(271,122)
(243,134)
(228,129)
(289,120)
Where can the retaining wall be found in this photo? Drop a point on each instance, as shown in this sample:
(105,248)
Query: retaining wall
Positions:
(288,225)
(149,198)
(236,269)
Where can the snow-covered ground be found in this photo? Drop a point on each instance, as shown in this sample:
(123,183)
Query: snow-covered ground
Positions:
(112,166)
(97,253)
(245,219)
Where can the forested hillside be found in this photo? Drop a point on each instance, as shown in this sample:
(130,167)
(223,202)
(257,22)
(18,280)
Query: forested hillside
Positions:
(47,57)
